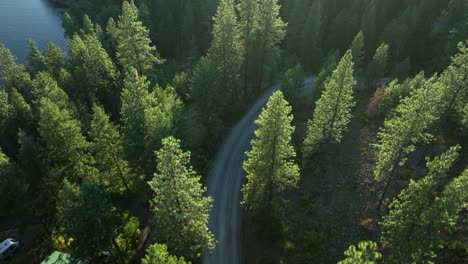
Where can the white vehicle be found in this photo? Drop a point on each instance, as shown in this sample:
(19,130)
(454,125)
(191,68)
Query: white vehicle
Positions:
(8,247)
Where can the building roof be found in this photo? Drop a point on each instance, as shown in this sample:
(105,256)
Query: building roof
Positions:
(61,258)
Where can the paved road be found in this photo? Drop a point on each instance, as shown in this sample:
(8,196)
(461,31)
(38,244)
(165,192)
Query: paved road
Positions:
(225,182)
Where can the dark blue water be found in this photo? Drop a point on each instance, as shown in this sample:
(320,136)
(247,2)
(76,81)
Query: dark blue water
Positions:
(21,20)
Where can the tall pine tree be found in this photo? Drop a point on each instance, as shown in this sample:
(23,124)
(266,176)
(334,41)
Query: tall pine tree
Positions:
(333,110)
(270,166)
(180,210)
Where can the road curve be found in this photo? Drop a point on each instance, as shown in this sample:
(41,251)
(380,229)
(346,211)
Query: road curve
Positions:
(225,181)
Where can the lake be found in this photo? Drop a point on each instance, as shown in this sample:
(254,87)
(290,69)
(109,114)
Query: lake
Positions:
(21,20)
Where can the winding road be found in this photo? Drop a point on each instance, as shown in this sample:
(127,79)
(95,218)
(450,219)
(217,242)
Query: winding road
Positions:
(225,181)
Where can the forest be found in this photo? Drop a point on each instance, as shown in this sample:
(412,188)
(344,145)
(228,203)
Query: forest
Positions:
(360,154)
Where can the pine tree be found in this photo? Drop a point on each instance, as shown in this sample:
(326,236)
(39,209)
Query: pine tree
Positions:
(226,51)
(365,253)
(46,87)
(134,103)
(270,165)
(357,49)
(56,63)
(161,115)
(333,110)
(271,32)
(378,66)
(311,52)
(408,126)
(14,75)
(134,47)
(412,229)
(180,210)
(157,254)
(395,91)
(248,25)
(84,213)
(455,81)
(92,70)
(65,148)
(36,61)
(106,148)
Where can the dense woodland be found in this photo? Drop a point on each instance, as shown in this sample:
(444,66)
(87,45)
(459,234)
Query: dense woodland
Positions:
(371,167)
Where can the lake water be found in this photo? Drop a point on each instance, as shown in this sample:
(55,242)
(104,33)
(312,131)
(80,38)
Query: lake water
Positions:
(21,20)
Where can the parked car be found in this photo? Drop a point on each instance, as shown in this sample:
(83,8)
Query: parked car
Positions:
(8,247)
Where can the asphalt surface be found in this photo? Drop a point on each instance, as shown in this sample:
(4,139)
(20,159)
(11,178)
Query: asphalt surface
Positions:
(225,182)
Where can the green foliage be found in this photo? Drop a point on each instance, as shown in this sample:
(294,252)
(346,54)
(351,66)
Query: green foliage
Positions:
(56,63)
(226,52)
(134,102)
(180,210)
(65,149)
(328,66)
(409,125)
(292,82)
(44,86)
(157,254)
(333,110)
(357,50)
(127,235)
(311,51)
(248,25)
(12,186)
(414,226)
(106,148)
(455,80)
(92,70)
(85,214)
(13,75)
(183,85)
(270,165)
(36,61)
(395,92)
(134,49)
(365,253)
(378,66)
(269,35)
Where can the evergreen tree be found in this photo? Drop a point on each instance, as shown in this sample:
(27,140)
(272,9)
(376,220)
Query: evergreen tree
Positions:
(408,126)
(180,210)
(92,70)
(226,51)
(84,213)
(13,75)
(311,52)
(248,25)
(106,148)
(36,61)
(378,66)
(365,253)
(395,91)
(134,103)
(270,165)
(56,63)
(134,47)
(161,116)
(333,110)
(46,87)
(157,254)
(65,148)
(271,32)
(357,49)
(455,80)
(292,83)
(413,227)
(369,24)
